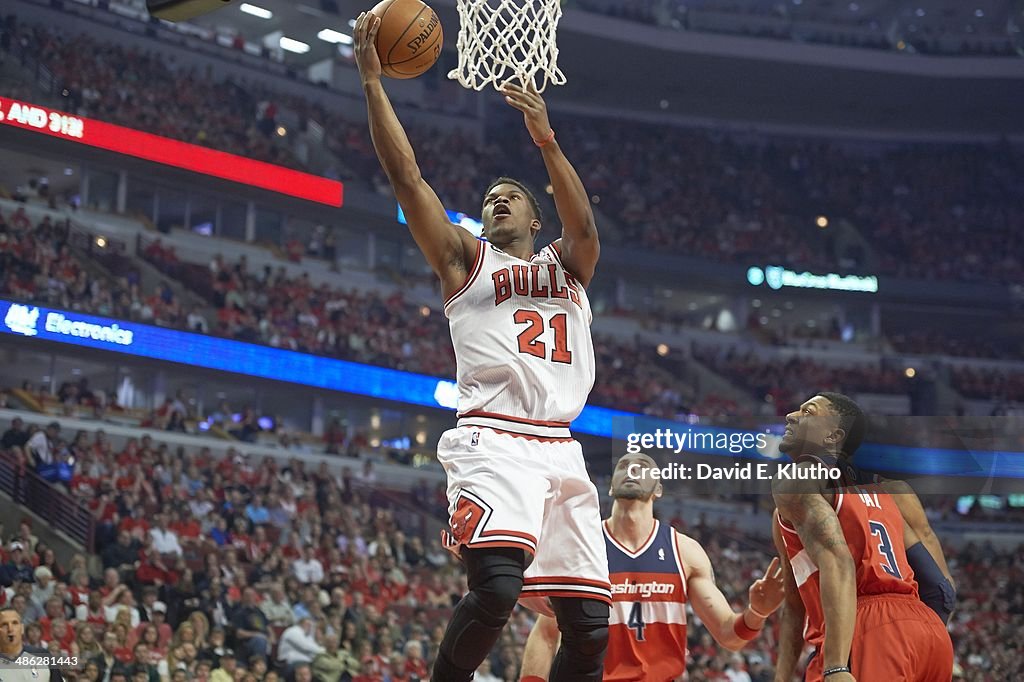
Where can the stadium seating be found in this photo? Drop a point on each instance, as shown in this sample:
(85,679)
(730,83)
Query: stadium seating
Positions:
(189,533)
(943,27)
(388,330)
(698,193)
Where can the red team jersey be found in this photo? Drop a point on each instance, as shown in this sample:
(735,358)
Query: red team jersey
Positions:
(647,627)
(873,528)
(896,636)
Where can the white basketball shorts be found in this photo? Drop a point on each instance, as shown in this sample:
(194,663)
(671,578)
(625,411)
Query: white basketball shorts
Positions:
(534,493)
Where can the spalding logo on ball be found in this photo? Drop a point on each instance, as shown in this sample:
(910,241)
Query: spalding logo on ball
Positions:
(409,38)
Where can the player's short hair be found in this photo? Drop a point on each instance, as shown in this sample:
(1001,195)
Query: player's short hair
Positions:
(503,180)
(851,419)
(637,454)
(12,610)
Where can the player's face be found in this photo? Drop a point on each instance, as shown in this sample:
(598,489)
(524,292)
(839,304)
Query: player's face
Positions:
(10,630)
(508,215)
(632,479)
(810,429)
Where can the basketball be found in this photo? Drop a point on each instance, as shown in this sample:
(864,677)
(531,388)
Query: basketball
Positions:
(409,39)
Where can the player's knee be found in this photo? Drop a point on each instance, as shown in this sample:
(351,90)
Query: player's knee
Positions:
(495,581)
(498,595)
(590,641)
(584,626)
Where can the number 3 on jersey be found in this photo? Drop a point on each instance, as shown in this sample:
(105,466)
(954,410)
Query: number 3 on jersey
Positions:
(528,342)
(636,620)
(885,547)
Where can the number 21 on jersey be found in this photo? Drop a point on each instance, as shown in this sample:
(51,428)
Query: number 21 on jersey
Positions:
(528,342)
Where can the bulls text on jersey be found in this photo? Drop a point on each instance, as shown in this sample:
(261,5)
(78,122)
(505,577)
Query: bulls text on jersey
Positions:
(535,281)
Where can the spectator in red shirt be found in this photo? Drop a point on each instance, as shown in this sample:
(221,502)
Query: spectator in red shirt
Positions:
(20,220)
(136,524)
(53,610)
(152,569)
(62,633)
(78,589)
(93,611)
(415,665)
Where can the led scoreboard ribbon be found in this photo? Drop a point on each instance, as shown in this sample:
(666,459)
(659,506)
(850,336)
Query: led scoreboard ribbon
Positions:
(226,355)
(169,152)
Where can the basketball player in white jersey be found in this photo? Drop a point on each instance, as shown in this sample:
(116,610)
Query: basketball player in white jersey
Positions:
(655,573)
(525,517)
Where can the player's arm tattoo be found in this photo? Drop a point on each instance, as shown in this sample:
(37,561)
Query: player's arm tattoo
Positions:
(820,530)
(803,505)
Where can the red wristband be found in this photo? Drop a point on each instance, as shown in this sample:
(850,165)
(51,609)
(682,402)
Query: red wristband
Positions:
(550,138)
(744,631)
(532,678)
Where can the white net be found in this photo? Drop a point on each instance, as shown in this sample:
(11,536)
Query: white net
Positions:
(508,40)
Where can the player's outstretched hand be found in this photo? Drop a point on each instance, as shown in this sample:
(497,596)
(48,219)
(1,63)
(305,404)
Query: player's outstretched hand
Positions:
(366,47)
(535,111)
(767,592)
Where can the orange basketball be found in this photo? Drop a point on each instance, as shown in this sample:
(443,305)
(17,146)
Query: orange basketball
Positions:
(409,39)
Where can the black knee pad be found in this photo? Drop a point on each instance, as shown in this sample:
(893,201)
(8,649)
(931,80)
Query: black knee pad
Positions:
(583,623)
(495,581)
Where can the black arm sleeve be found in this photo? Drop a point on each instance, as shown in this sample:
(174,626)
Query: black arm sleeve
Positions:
(935,589)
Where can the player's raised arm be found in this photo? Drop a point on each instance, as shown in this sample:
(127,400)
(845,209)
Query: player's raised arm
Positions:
(580,246)
(924,551)
(913,513)
(448,249)
(541,647)
(802,505)
(730,629)
(935,586)
(791,638)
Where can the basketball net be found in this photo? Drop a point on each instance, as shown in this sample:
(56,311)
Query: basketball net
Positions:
(508,40)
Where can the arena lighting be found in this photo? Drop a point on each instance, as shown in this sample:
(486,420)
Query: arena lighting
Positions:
(331,36)
(169,152)
(292,45)
(256,11)
(39,323)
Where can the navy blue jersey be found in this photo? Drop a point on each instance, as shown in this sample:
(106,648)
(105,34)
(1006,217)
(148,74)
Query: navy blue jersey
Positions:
(647,628)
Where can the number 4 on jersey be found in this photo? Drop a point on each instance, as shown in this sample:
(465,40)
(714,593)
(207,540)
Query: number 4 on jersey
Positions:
(636,620)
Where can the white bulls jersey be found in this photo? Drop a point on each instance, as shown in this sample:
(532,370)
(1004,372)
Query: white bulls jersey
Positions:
(521,331)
